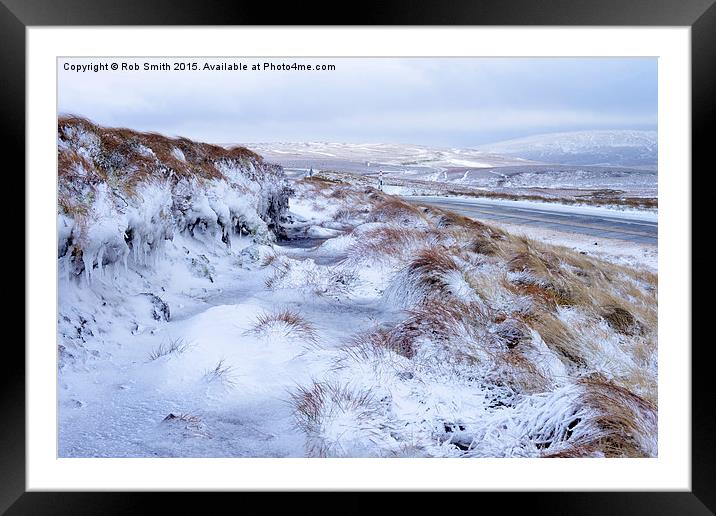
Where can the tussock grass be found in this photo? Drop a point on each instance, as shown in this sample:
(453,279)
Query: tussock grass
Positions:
(290,322)
(269,259)
(338,420)
(558,336)
(621,423)
(386,243)
(429,264)
(371,343)
(392,209)
(433,272)
(347,214)
(448,219)
(621,320)
(321,182)
(481,245)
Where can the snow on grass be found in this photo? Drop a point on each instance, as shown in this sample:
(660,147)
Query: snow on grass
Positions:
(606,211)
(284,323)
(397,332)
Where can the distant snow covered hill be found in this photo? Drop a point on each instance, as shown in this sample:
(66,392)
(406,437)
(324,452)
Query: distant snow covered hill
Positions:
(626,148)
(564,164)
(417,160)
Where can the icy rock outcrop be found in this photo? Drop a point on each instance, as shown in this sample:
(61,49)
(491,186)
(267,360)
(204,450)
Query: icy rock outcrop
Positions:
(160,309)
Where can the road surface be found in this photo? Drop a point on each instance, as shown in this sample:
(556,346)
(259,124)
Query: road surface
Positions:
(608,225)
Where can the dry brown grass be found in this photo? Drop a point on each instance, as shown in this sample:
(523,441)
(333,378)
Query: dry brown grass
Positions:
(449,219)
(368,345)
(625,424)
(391,209)
(467,334)
(436,323)
(482,245)
(522,308)
(120,156)
(269,259)
(597,200)
(71,164)
(558,276)
(432,262)
(551,277)
(348,214)
(425,277)
(544,293)
(558,336)
(621,320)
(281,267)
(320,182)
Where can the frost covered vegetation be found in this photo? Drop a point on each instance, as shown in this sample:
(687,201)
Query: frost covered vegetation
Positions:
(122,192)
(377,329)
(504,347)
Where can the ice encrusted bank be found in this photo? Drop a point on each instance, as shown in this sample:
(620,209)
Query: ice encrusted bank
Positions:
(122,194)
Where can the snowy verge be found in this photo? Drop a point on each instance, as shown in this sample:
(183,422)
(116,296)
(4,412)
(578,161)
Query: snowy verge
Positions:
(614,212)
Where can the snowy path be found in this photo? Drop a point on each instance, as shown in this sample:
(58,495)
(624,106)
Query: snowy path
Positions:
(117,405)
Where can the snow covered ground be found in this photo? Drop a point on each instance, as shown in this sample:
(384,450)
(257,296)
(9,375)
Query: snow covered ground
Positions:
(226,383)
(611,164)
(373,329)
(404,158)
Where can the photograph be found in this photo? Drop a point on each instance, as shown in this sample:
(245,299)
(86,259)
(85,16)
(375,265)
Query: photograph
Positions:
(357,257)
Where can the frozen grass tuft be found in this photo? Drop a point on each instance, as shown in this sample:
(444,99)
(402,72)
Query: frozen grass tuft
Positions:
(173,347)
(222,374)
(617,423)
(312,278)
(286,321)
(340,421)
(383,244)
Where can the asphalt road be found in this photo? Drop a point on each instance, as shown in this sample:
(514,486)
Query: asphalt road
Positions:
(598,225)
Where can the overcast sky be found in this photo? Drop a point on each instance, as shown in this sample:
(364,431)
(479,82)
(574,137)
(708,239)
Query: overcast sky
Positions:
(453,102)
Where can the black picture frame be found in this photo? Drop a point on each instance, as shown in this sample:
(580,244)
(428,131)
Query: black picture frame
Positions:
(17,15)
